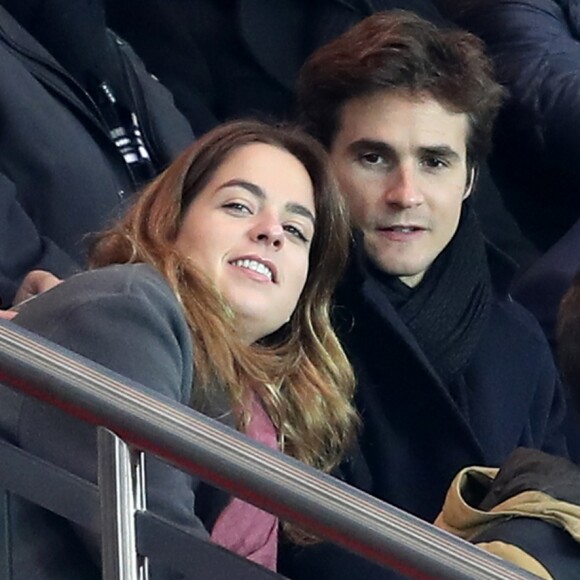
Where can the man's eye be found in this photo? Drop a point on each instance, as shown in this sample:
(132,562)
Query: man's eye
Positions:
(237,207)
(296,232)
(371,158)
(434,162)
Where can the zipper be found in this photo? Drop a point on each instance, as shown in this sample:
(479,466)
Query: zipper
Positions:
(138,101)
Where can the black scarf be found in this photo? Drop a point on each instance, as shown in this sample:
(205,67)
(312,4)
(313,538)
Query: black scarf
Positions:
(447,310)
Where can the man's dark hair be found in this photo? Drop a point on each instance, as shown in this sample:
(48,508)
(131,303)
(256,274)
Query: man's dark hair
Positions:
(568,339)
(400,52)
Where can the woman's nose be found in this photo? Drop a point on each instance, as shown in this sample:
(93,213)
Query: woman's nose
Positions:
(269,232)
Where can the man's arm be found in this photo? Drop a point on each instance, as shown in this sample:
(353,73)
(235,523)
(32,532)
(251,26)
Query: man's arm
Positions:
(23,248)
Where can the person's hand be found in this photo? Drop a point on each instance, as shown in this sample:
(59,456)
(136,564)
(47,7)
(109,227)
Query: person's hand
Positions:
(35,283)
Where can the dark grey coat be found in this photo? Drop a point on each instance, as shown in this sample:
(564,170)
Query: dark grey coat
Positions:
(127,319)
(61,175)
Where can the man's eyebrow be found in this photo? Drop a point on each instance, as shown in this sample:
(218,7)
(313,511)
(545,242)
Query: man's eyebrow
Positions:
(371,144)
(384,149)
(440,151)
(257,191)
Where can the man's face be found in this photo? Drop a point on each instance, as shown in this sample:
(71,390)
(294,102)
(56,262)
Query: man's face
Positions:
(401,162)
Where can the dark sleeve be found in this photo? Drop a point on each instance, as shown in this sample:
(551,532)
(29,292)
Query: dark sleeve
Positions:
(550,408)
(138,332)
(536,58)
(22,248)
(541,288)
(561,117)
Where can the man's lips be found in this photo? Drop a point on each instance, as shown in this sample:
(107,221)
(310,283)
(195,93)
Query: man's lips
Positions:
(401,232)
(404,228)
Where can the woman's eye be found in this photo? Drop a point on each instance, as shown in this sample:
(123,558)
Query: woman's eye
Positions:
(238,207)
(296,232)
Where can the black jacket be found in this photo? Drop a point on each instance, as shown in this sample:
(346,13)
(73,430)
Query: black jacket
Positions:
(61,175)
(540,289)
(414,438)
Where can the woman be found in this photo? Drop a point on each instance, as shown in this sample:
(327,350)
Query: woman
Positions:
(214,290)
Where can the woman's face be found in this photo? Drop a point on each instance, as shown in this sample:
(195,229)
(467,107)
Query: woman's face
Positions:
(250,231)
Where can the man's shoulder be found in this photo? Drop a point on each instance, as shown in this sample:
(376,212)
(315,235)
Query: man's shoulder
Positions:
(515,321)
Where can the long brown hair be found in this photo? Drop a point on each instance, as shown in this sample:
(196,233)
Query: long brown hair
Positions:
(300,373)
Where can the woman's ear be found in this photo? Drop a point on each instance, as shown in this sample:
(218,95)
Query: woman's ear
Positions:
(471,180)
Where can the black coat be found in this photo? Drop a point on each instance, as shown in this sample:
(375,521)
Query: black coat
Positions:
(540,289)
(61,175)
(414,438)
(542,286)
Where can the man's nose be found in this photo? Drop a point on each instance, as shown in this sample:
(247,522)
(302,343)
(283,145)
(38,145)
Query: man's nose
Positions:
(403,189)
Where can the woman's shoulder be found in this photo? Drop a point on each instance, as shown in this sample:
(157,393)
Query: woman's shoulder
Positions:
(126,288)
(124,317)
(132,281)
(119,278)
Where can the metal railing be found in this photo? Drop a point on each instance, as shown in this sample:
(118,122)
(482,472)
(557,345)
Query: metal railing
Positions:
(228,460)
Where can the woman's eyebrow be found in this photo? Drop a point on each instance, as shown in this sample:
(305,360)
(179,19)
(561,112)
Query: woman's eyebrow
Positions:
(247,185)
(299,209)
(257,191)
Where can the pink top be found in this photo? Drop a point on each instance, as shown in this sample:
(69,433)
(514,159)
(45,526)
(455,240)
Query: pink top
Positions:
(241,527)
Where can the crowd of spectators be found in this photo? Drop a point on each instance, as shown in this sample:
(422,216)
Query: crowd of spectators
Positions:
(452,130)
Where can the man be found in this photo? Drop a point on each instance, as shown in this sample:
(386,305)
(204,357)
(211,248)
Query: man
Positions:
(83,127)
(450,372)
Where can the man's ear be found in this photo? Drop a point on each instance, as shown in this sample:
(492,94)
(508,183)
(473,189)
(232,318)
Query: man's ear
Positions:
(471,181)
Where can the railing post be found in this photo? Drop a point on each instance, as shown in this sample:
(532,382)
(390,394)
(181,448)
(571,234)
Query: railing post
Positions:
(122,492)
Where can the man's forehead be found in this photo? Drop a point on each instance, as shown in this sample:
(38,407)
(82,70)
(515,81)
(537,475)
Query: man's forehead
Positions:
(388,116)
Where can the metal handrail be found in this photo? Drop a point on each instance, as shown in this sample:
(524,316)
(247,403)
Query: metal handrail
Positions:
(228,460)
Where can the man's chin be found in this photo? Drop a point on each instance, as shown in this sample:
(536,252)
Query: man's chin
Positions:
(409,274)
